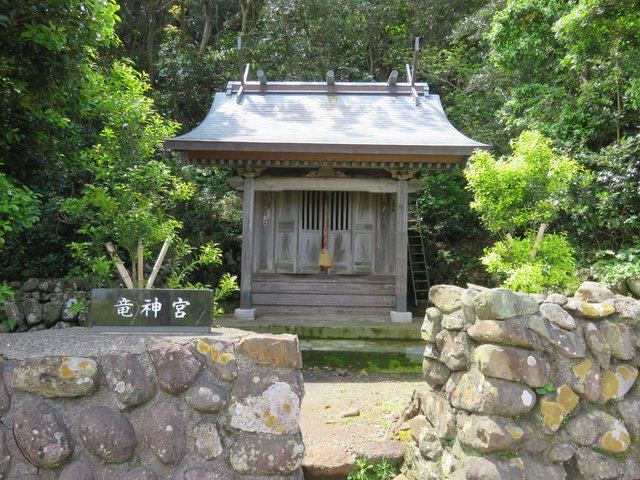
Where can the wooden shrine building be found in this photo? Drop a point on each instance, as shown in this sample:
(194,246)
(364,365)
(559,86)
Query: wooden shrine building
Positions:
(325,169)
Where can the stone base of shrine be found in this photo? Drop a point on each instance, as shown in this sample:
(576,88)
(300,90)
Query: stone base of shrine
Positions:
(400,317)
(245,313)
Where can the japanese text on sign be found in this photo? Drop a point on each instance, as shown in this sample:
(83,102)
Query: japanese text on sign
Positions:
(124,308)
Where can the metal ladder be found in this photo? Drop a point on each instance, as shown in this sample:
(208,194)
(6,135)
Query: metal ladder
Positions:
(417,256)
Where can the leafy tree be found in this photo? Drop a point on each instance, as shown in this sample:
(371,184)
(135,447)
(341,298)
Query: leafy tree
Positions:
(515,194)
(45,52)
(130,195)
(18,208)
(605,199)
(569,69)
(551,270)
(601,39)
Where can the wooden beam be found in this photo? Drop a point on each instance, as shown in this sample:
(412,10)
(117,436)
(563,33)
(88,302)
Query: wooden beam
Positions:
(262,78)
(435,159)
(331,77)
(240,61)
(409,75)
(245,75)
(393,78)
(414,65)
(361,88)
(239,95)
(248,205)
(279,184)
(414,95)
(402,199)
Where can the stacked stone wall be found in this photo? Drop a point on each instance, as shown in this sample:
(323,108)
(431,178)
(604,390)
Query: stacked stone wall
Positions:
(40,304)
(528,387)
(78,405)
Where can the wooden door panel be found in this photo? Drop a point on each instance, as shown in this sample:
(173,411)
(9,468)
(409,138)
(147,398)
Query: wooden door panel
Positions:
(308,251)
(364,223)
(263,231)
(310,237)
(340,221)
(340,251)
(385,234)
(363,253)
(286,237)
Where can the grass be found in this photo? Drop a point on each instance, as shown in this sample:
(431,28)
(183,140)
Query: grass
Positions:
(370,362)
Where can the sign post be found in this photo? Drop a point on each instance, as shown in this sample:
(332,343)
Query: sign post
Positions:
(125,309)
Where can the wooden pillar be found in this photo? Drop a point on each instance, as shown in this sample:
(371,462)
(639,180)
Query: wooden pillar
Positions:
(402,200)
(248,204)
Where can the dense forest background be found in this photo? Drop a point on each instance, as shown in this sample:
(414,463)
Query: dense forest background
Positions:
(88,90)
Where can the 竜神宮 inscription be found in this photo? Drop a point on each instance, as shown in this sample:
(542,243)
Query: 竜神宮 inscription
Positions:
(146,308)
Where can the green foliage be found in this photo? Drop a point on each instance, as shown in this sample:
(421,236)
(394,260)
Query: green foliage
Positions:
(605,213)
(186,79)
(454,237)
(550,270)
(613,267)
(443,205)
(570,68)
(374,363)
(92,264)
(130,197)
(214,214)
(521,37)
(227,286)
(81,306)
(520,191)
(548,388)
(186,259)
(18,208)
(129,205)
(381,470)
(68,100)
(5,293)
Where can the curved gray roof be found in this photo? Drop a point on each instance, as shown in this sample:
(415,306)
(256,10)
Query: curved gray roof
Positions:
(324,121)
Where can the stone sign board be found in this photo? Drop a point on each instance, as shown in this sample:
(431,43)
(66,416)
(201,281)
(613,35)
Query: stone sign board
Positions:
(147,309)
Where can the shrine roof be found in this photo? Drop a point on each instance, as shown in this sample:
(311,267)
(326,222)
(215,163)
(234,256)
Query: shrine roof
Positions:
(316,121)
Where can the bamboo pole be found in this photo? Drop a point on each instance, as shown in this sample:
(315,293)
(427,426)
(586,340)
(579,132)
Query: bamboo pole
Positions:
(132,256)
(158,264)
(140,265)
(538,240)
(119,266)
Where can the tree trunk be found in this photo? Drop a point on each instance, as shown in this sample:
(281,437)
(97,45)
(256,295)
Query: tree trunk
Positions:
(618,100)
(244,9)
(151,35)
(183,19)
(206,35)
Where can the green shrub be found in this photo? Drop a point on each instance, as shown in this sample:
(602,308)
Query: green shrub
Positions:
(613,267)
(550,270)
(381,470)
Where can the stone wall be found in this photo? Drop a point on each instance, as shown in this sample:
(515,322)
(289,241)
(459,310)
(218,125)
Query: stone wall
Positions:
(45,303)
(78,405)
(527,387)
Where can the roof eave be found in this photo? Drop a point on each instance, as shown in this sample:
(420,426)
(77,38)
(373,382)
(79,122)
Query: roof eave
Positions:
(315,148)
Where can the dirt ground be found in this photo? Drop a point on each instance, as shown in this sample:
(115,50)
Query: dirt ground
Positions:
(350,409)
